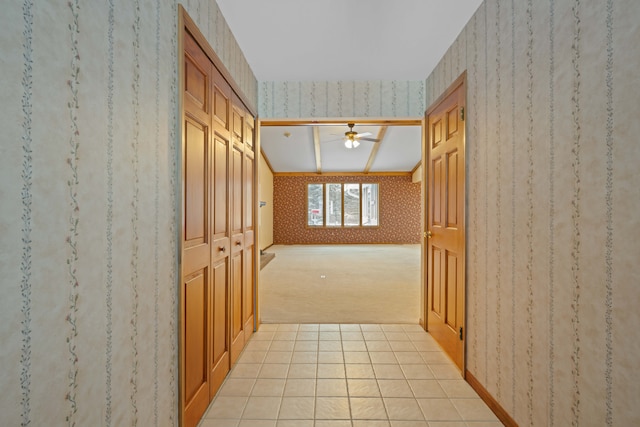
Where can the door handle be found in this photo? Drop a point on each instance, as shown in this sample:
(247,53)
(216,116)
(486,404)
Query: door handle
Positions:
(428,235)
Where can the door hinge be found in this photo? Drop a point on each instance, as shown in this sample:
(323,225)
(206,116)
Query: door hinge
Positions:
(462,114)
(460,333)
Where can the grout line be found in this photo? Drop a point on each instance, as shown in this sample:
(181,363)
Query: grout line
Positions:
(343,363)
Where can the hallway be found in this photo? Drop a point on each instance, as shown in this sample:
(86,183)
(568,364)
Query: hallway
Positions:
(339,375)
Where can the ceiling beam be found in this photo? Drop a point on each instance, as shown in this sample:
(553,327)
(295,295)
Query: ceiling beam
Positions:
(340,122)
(376,147)
(399,173)
(316,145)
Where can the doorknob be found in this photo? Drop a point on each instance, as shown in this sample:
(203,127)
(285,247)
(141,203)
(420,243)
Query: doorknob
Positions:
(429,234)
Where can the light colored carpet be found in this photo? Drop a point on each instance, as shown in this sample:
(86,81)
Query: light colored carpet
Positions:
(341,284)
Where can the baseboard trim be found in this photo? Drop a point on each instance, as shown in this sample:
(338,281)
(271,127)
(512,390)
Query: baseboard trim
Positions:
(489,400)
(265,258)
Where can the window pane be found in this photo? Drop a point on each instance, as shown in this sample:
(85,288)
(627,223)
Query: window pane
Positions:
(314,204)
(352,204)
(333,204)
(369,204)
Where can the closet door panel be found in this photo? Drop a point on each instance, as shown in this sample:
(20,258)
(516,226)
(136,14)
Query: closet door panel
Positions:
(248,289)
(195,289)
(219,360)
(248,249)
(220,247)
(248,193)
(196,236)
(236,196)
(237,238)
(237,325)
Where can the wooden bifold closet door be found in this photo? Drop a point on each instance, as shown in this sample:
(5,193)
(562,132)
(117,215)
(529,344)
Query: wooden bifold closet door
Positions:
(196,292)
(242,236)
(217,260)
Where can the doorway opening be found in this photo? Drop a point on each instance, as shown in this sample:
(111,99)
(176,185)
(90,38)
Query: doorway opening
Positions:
(301,153)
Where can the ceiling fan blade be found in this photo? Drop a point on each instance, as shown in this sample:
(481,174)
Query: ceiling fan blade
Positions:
(332,140)
(369,139)
(360,135)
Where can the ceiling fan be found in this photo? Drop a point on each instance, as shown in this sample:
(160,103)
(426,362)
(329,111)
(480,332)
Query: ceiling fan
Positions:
(352,138)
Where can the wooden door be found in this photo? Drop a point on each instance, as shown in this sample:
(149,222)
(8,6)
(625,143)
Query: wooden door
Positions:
(237,236)
(445,221)
(219,363)
(248,229)
(214,297)
(196,243)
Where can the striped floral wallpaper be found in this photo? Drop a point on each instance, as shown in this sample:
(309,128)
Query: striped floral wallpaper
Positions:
(88,314)
(88,213)
(210,21)
(399,212)
(341,99)
(553,202)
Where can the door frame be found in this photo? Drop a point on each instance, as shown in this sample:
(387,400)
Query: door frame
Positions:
(460,81)
(400,121)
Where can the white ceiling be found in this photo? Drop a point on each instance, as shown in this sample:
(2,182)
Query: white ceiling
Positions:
(344,40)
(292,149)
(330,40)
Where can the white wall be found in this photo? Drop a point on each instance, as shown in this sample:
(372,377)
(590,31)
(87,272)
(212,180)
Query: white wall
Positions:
(265,190)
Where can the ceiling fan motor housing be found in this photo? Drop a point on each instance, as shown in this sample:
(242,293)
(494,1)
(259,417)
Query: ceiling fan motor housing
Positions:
(350,134)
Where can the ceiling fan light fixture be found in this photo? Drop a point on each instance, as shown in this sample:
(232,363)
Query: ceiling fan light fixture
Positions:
(350,136)
(351,143)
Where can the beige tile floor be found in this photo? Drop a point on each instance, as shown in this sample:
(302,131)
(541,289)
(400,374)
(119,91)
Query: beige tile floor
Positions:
(345,375)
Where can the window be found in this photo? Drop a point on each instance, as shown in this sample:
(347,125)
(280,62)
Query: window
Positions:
(342,205)
(314,203)
(351,205)
(333,205)
(370,204)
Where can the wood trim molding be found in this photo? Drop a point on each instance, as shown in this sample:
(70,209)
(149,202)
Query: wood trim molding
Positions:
(376,147)
(341,122)
(192,28)
(342,174)
(266,160)
(257,147)
(492,403)
(452,88)
(180,218)
(316,147)
(415,168)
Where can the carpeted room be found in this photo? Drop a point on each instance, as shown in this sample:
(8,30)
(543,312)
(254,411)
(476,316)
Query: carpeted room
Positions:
(341,284)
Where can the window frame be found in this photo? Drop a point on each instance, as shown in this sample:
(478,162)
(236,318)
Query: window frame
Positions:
(321,209)
(325,205)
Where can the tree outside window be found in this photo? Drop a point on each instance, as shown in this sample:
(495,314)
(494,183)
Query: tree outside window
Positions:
(370,204)
(342,205)
(314,202)
(333,206)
